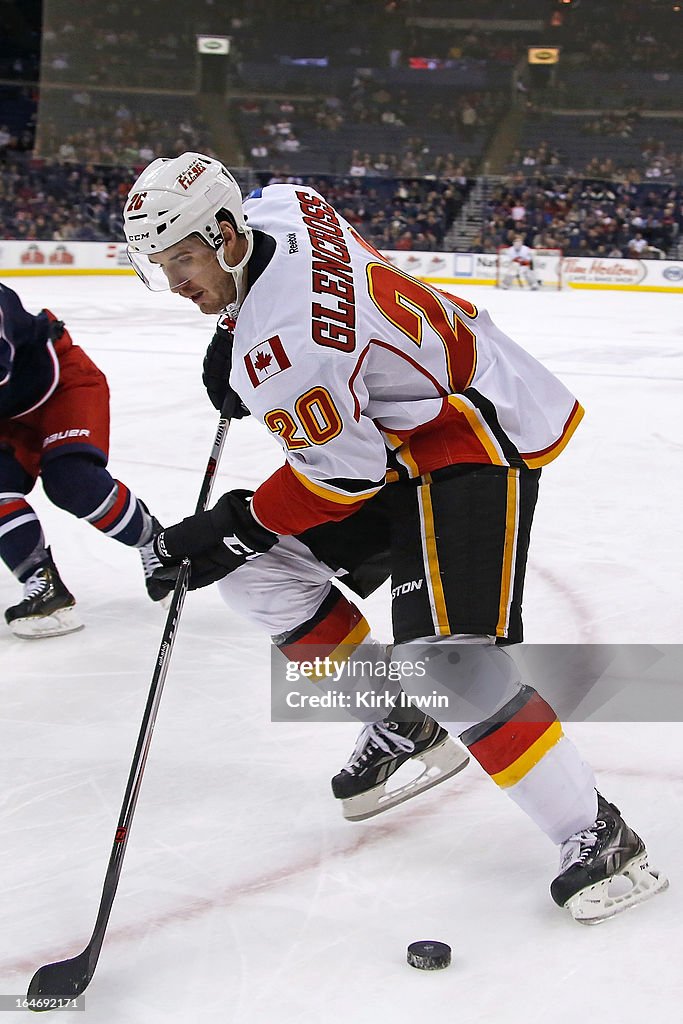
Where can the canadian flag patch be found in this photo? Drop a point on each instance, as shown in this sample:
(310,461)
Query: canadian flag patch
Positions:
(265,360)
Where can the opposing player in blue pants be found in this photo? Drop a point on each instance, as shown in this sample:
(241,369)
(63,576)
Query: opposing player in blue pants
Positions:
(54,424)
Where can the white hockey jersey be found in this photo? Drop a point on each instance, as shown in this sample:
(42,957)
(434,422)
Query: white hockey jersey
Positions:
(364,373)
(520,254)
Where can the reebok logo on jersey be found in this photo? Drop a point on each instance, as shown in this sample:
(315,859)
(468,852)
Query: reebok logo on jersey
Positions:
(265,360)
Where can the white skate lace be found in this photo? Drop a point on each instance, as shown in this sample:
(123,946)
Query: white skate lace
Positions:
(33,586)
(150,562)
(577,848)
(377,734)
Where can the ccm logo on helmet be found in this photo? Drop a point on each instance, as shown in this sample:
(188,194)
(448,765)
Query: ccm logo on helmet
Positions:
(191,174)
(137,238)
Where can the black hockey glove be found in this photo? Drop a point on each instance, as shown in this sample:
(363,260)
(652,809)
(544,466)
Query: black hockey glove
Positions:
(216,373)
(217,541)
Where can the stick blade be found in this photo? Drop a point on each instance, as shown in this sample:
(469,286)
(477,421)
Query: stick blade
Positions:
(63,980)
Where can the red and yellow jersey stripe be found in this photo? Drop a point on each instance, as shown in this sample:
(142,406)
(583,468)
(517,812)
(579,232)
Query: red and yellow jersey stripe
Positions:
(289,503)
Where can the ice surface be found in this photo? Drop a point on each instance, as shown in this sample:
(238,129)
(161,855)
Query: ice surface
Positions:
(245,897)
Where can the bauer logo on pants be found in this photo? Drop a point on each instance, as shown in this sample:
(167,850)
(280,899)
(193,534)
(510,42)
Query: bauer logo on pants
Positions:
(265,360)
(62,435)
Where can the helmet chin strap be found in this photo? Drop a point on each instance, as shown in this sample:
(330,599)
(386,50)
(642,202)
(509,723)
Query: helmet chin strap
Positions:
(238,272)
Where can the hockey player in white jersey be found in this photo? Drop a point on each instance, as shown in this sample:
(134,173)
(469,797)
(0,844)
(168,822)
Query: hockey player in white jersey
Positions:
(411,425)
(518,265)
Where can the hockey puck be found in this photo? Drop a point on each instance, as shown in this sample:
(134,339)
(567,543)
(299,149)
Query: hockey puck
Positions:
(429,955)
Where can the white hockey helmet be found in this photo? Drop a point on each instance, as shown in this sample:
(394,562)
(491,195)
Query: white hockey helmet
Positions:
(175,198)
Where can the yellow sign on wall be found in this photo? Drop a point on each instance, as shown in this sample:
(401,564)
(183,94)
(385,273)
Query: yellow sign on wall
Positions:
(544,54)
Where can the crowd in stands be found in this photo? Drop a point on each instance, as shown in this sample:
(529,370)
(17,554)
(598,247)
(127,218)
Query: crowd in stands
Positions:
(584,217)
(153,45)
(409,214)
(62,202)
(619,34)
(99,129)
(41,200)
(643,34)
(399,136)
(659,163)
(415,161)
(656,163)
(607,146)
(149,45)
(404,146)
(623,55)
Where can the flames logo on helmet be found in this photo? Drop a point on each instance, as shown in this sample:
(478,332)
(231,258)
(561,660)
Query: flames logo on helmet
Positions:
(186,178)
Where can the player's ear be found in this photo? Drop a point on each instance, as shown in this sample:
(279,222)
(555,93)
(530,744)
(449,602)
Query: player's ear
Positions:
(227,231)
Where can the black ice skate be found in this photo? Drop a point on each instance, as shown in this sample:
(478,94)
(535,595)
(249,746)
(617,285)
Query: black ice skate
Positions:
(158,590)
(604,869)
(48,609)
(382,747)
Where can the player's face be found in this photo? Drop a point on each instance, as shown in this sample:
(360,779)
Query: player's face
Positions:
(192,271)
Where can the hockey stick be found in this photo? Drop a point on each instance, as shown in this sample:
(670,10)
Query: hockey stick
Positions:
(67,979)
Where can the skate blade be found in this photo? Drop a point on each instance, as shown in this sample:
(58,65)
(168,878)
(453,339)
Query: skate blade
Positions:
(440,763)
(596,904)
(59,623)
